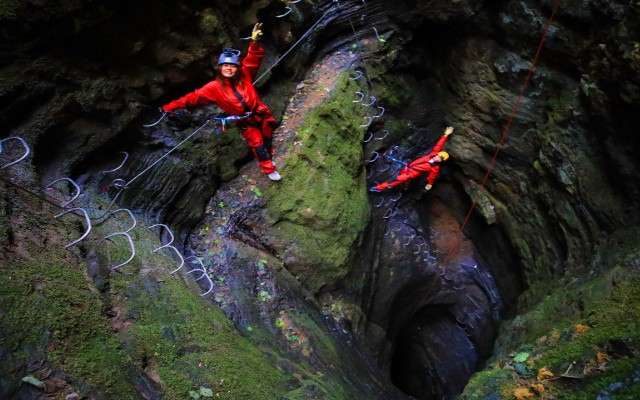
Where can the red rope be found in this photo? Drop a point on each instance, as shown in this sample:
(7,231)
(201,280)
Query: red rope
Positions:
(513,113)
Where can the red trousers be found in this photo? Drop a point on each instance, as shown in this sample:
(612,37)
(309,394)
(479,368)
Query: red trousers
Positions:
(259,136)
(405,175)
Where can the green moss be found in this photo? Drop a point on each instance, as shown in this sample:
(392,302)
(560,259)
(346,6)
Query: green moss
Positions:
(215,154)
(9,9)
(4,221)
(395,93)
(51,306)
(491,97)
(187,342)
(165,329)
(560,107)
(489,381)
(322,341)
(313,339)
(558,309)
(567,330)
(209,22)
(616,319)
(182,339)
(322,206)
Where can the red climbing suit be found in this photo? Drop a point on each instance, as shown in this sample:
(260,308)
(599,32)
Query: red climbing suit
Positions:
(257,130)
(418,166)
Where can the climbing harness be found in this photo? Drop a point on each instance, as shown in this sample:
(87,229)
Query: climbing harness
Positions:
(224,120)
(121,184)
(404,163)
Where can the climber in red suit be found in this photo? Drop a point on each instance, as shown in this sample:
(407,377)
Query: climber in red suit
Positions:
(429,163)
(234,93)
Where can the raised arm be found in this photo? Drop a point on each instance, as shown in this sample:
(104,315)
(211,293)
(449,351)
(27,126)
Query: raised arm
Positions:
(438,147)
(255,54)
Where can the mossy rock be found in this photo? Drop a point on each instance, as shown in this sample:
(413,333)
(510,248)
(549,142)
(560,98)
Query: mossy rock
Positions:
(321,207)
(586,335)
(161,337)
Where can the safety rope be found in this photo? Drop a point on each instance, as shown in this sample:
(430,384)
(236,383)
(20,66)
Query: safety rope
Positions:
(165,154)
(292,46)
(36,195)
(513,113)
(223,120)
(361,54)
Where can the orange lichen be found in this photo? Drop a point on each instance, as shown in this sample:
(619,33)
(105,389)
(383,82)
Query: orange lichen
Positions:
(522,393)
(581,328)
(544,373)
(602,357)
(538,388)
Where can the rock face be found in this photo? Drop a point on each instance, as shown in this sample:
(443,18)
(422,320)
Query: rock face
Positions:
(351,293)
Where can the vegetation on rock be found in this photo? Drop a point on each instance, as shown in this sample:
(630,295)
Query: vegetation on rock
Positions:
(583,336)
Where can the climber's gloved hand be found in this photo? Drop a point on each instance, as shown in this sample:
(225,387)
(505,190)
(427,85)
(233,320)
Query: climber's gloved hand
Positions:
(428,187)
(448,131)
(256,34)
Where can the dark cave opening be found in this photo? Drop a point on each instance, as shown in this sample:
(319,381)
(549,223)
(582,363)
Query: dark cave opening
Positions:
(444,326)
(431,347)
(492,246)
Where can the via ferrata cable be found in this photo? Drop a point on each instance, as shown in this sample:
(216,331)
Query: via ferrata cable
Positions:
(513,113)
(292,46)
(223,120)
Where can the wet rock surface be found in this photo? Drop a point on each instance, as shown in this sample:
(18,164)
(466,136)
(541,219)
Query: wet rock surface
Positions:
(79,81)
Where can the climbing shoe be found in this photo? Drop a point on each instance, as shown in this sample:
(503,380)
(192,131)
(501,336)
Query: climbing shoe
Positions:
(374,189)
(274,176)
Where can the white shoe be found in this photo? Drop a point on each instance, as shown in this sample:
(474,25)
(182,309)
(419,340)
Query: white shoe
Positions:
(273,163)
(274,176)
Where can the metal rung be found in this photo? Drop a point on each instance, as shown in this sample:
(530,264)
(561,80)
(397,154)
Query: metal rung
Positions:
(130,214)
(27,151)
(386,133)
(75,185)
(359,74)
(133,249)
(126,156)
(168,231)
(204,274)
(164,114)
(86,217)
(181,260)
(286,13)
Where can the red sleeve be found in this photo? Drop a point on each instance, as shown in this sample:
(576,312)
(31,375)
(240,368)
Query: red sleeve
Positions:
(253,60)
(433,174)
(438,147)
(198,97)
